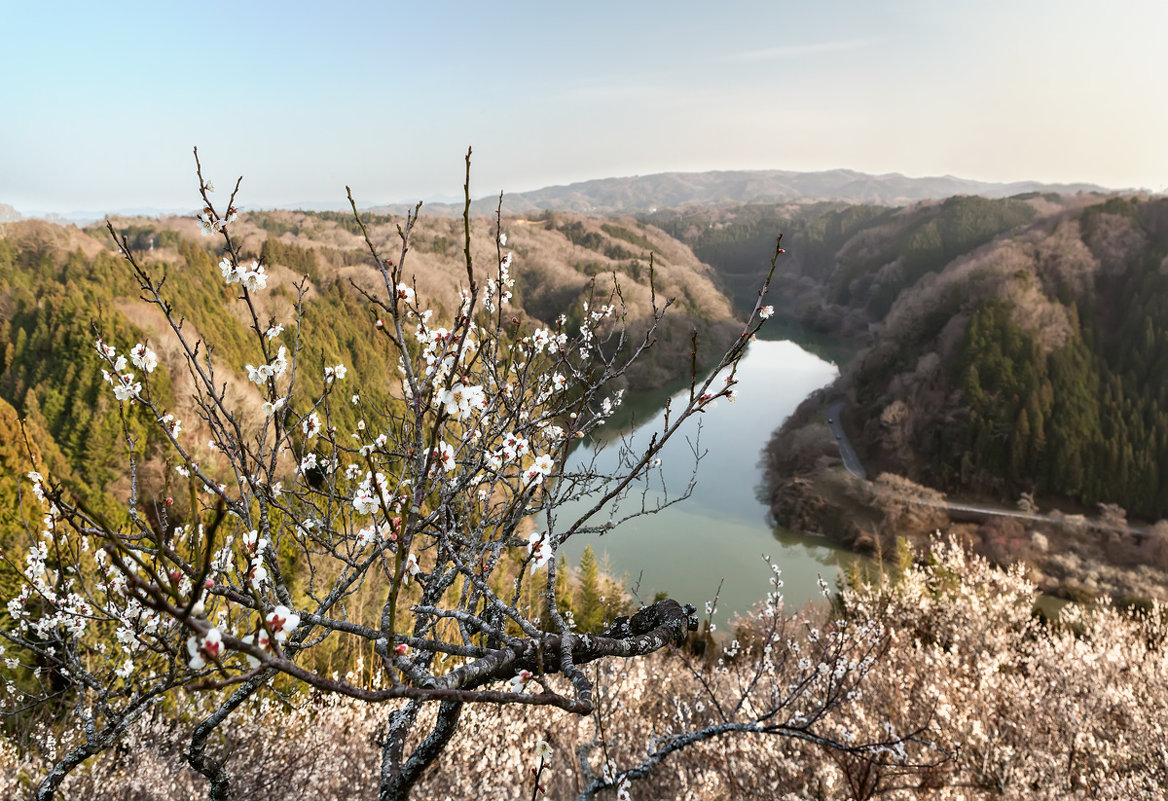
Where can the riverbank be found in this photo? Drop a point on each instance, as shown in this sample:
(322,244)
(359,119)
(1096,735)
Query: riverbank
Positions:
(1070,556)
(723,529)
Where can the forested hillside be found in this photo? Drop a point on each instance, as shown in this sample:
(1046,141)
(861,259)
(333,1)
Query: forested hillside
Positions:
(1017,345)
(1038,364)
(60,287)
(846,263)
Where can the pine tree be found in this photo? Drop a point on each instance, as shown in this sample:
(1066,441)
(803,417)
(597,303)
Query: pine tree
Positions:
(1020,444)
(591,616)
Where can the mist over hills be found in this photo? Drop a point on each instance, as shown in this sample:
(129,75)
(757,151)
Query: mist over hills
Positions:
(647,193)
(640,194)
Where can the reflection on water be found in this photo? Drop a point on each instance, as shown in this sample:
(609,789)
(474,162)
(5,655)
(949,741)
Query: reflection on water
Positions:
(722,530)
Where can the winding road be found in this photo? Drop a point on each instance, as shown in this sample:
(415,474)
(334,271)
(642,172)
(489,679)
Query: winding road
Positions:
(957,510)
(847,452)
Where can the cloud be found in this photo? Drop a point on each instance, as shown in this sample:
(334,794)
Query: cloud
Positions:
(791,51)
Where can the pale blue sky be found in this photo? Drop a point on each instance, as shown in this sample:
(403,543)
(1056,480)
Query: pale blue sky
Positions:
(101,102)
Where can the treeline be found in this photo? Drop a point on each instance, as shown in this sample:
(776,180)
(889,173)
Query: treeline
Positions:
(739,243)
(591,596)
(300,260)
(1072,422)
(955,227)
(49,370)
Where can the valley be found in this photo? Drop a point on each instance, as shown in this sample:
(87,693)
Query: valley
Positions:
(995,349)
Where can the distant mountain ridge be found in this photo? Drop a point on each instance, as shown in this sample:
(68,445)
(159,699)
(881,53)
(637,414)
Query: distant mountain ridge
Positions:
(647,193)
(640,194)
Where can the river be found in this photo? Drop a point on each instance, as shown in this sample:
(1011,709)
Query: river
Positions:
(720,533)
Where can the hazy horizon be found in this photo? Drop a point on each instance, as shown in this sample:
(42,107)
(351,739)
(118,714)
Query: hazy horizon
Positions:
(104,103)
(323,205)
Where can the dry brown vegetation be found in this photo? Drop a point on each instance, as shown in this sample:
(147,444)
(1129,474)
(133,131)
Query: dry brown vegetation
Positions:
(1017,709)
(561,258)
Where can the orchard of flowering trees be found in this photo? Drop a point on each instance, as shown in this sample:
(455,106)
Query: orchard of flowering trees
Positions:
(394,552)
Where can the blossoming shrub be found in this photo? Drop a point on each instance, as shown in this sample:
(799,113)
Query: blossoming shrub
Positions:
(326,742)
(1027,708)
(1023,709)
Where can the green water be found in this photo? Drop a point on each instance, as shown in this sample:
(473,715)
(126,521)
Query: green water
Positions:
(721,531)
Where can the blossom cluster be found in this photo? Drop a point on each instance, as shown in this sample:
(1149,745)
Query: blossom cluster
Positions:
(540,548)
(210,224)
(273,369)
(498,290)
(126,386)
(251,277)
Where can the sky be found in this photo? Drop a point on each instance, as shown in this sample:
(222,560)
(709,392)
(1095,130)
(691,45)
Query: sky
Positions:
(101,103)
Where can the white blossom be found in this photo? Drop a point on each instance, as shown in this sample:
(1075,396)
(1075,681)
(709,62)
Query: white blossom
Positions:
(540,548)
(208,648)
(282,622)
(143,358)
(311,425)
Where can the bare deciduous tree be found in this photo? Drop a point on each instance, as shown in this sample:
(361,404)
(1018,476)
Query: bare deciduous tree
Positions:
(411,537)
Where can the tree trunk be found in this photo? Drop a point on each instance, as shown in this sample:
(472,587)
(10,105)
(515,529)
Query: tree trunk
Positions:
(211,768)
(397,779)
